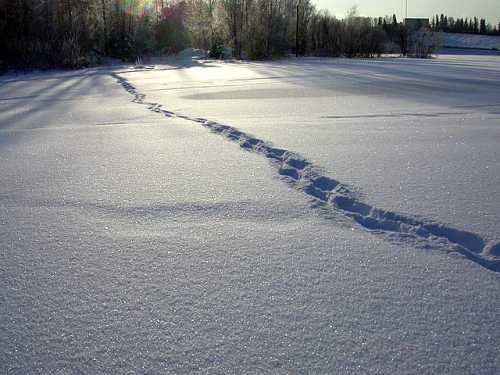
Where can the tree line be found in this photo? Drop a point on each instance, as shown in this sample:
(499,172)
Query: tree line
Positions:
(473,25)
(75,33)
(262,29)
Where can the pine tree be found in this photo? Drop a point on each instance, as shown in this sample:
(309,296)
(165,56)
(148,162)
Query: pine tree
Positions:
(482,26)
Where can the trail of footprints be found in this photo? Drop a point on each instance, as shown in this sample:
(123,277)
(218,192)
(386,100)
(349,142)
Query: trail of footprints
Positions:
(303,175)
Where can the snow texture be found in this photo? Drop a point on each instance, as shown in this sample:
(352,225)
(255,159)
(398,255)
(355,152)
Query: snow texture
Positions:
(412,136)
(146,242)
(310,179)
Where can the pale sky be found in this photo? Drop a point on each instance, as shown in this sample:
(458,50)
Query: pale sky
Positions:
(488,9)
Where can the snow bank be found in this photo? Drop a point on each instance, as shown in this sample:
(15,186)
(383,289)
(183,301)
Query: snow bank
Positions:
(452,40)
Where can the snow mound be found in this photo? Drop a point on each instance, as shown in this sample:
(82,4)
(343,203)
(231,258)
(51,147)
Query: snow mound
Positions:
(185,57)
(190,53)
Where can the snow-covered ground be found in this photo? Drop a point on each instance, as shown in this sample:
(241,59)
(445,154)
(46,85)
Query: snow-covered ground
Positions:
(414,136)
(139,235)
(455,40)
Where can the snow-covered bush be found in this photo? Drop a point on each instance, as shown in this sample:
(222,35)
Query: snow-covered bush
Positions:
(423,42)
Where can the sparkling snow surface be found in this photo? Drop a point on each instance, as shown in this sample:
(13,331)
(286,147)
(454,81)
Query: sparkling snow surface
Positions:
(137,243)
(415,136)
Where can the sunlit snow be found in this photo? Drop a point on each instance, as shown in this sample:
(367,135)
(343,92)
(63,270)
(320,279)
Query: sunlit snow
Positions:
(210,217)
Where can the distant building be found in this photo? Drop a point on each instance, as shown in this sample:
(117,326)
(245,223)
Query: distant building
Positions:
(414,24)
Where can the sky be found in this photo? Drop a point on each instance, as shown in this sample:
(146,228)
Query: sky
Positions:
(488,9)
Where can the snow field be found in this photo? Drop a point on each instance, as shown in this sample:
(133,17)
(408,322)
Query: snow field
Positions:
(134,242)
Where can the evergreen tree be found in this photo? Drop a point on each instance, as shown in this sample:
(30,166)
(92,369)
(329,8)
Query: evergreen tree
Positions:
(482,26)
(475,29)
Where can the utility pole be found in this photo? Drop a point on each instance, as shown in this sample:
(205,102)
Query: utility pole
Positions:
(406,12)
(297,31)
